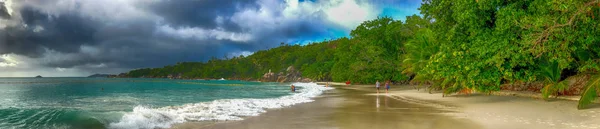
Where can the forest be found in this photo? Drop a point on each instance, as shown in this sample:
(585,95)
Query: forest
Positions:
(452,46)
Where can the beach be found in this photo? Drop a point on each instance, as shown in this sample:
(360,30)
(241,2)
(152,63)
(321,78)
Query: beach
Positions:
(359,107)
(501,112)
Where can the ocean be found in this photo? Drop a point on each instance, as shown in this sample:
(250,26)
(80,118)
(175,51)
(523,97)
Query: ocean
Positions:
(138,103)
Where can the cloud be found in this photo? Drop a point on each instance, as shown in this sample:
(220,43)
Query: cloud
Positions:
(22,66)
(199,13)
(203,34)
(78,37)
(7,61)
(4,11)
(240,53)
(349,14)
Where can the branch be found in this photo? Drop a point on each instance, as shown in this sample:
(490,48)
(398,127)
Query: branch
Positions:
(544,35)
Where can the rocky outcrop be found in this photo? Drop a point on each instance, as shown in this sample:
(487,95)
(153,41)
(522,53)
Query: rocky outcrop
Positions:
(122,75)
(175,76)
(269,77)
(289,75)
(576,85)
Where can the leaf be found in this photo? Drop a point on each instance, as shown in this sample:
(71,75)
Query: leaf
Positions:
(563,86)
(583,55)
(590,92)
(547,90)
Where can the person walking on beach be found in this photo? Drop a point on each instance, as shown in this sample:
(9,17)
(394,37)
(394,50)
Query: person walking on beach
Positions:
(387,86)
(377,86)
(293,88)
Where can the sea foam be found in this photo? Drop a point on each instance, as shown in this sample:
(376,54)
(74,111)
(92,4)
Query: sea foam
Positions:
(218,110)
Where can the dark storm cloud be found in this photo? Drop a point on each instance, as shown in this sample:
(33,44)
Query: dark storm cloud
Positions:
(200,13)
(64,33)
(3,11)
(74,38)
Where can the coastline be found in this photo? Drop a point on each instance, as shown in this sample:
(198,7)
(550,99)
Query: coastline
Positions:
(358,106)
(346,109)
(312,112)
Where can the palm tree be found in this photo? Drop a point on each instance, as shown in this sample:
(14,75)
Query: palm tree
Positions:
(418,52)
(590,92)
(551,74)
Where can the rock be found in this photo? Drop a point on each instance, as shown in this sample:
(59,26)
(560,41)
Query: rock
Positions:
(178,76)
(576,85)
(306,80)
(282,79)
(290,75)
(268,77)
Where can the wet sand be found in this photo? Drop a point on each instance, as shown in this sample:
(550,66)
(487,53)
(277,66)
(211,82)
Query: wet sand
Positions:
(348,108)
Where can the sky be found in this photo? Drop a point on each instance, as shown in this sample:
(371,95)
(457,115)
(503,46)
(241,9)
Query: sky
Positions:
(67,38)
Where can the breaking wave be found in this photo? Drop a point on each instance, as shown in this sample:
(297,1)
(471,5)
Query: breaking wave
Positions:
(217,110)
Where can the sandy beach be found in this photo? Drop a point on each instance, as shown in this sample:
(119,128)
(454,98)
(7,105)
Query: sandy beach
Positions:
(359,107)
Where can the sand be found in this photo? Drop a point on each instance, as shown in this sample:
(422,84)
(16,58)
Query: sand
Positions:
(506,112)
(359,107)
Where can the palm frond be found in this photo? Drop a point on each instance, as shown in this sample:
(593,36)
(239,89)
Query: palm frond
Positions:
(554,88)
(551,74)
(562,86)
(547,90)
(590,92)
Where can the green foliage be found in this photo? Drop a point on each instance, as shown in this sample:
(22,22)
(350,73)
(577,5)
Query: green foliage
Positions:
(314,60)
(488,42)
(551,74)
(590,92)
(418,53)
(372,54)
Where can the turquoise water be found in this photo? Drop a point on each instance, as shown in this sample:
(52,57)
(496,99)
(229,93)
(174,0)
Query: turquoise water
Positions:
(122,103)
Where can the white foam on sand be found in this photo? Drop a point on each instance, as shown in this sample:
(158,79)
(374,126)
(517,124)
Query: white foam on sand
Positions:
(220,110)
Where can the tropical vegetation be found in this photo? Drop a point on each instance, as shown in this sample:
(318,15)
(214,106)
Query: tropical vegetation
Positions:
(453,45)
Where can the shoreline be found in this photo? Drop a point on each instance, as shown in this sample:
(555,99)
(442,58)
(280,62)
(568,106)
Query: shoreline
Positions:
(358,106)
(323,103)
(345,109)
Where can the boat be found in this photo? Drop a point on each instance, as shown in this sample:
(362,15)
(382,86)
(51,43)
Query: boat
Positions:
(222,79)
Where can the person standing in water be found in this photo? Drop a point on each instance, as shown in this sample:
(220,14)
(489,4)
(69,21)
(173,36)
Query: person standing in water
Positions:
(377,86)
(326,84)
(387,86)
(293,88)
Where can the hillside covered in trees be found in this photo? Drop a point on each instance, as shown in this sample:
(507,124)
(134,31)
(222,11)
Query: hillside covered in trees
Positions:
(454,45)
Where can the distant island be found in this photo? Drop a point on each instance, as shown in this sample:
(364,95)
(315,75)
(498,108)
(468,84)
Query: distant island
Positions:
(38,76)
(100,75)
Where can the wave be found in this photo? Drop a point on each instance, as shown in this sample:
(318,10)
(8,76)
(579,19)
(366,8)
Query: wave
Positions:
(41,118)
(218,110)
